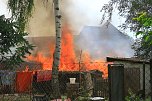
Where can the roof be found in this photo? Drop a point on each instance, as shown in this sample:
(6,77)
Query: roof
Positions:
(134,60)
(99,41)
(103,41)
(104,31)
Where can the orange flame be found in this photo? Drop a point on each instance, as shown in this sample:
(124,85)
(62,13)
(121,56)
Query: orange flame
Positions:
(68,60)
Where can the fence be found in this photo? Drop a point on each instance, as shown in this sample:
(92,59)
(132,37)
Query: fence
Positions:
(31,83)
(37,84)
(101,88)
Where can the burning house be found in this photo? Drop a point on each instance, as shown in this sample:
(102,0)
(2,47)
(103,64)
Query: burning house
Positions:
(95,42)
(80,54)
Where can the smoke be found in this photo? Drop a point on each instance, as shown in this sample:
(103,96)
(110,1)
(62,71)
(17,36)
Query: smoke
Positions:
(79,13)
(42,20)
(98,41)
(75,13)
(84,18)
(101,42)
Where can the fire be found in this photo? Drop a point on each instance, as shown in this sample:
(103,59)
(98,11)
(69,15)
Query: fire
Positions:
(45,61)
(68,60)
(89,64)
(68,56)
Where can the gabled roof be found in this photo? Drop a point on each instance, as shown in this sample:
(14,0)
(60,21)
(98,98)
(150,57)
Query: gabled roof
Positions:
(105,41)
(106,31)
(99,41)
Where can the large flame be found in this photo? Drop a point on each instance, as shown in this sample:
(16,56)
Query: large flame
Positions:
(68,60)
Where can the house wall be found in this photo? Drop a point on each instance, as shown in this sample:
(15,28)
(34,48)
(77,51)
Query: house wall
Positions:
(128,64)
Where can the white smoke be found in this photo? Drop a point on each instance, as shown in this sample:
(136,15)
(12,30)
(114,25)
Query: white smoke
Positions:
(98,41)
(42,20)
(105,41)
(77,13)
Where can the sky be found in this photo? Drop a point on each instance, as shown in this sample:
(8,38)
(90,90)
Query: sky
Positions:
(85,12)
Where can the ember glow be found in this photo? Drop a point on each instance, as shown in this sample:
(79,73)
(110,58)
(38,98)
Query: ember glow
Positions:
(68,60)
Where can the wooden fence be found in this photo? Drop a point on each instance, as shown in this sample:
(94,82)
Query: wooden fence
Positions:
(101,88)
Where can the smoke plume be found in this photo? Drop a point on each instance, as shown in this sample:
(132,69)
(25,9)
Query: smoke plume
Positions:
(76,13)
(100,42)
(42,20)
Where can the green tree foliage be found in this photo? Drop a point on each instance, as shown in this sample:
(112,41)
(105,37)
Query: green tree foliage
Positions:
(146,26)
(13,45)
(130,9)
(21,11)
(143,45)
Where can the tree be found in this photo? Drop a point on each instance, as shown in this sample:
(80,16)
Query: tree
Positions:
(56,57)
(142,49)
(143,46)
(21,11)
(12,35)
(13,45)
(129,9)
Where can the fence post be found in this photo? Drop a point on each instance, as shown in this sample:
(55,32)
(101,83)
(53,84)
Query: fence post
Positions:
(116,82)
(151,77)
(144,80)
(109,80)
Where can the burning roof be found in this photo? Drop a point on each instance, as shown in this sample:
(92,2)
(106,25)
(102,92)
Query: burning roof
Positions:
(103,41)
(95,42)
(99,41)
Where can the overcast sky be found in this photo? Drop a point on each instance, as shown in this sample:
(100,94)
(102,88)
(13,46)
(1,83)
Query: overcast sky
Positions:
(88,9)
